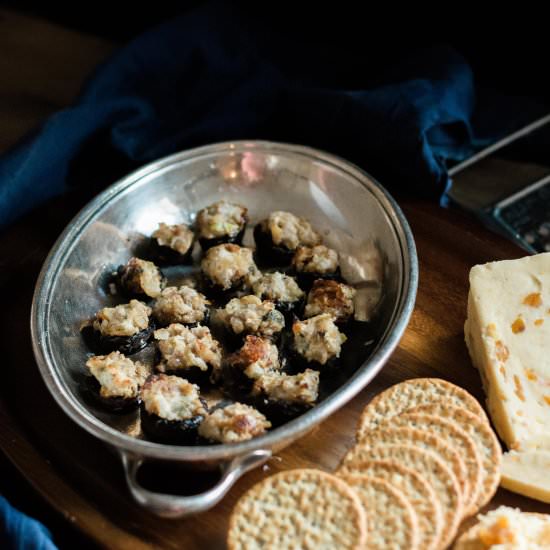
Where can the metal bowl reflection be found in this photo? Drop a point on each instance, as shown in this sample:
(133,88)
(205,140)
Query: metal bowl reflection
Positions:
(355,214)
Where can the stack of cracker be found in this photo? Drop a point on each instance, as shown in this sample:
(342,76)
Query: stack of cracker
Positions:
(425,458)
(431,442)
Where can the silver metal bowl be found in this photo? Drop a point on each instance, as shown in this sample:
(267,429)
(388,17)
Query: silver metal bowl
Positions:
(355,213)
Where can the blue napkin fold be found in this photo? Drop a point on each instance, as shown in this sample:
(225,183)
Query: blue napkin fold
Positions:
(19,532)
(210,76)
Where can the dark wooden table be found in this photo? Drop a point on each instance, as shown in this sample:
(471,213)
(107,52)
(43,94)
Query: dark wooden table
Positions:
(43,67)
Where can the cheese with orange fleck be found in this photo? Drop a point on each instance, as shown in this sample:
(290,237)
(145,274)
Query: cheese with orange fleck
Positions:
(509,343)
(499,532)
(507,529)
(526,473)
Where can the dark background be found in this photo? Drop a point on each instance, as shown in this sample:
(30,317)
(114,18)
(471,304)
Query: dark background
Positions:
(507,51)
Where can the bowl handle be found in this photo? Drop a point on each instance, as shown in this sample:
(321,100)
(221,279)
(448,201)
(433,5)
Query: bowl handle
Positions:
(173,506)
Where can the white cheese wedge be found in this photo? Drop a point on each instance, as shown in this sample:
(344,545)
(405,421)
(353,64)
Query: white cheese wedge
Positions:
(508,336)
(527,473)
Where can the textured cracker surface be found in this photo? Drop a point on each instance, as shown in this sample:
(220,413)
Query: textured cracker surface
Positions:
(416,490)
(302,508)
(392,521)
(455,436)
(421,438)
(412,393)
(485,440)
(430,467)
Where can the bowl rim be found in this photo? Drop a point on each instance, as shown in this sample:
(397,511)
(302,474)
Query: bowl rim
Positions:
(288,431)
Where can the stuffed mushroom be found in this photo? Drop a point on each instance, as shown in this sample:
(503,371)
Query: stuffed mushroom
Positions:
(317,342)
(116,380)
(171,409)
(140,279)
(227,268)
(256,357)
(233,424)
(173,244)
(278,237)
(250,315)
(183,305)
(280,289)
(332,297)
(315,262)
(126,328)
(191,353)
(221,222)
(282,397)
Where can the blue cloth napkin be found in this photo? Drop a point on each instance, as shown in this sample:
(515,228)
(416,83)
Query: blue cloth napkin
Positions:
(20,532)
(211,75)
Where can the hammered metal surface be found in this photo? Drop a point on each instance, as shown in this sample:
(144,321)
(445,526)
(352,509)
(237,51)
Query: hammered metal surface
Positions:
(352,212)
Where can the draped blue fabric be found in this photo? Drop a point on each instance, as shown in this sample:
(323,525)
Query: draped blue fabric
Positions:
(207,76)
(20,532)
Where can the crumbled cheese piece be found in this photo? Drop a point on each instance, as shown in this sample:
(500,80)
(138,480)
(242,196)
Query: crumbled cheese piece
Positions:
(221,219)
(117,375)
(123,320)
(171,398)
(289,231)
(234,423)
(498,533)
(511,529)
(180,305)
(317,259)
(318,338)
(249,314)
(177,237)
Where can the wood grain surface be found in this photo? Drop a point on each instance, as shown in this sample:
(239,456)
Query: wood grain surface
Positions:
(43,67)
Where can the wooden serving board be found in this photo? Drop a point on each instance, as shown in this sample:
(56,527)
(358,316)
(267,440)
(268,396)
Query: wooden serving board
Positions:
(77,474)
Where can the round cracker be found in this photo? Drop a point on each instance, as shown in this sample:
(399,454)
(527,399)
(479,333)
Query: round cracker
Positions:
(302,508)
(416,490)
(392,520)
(421,438)
(485,440)
(431,468)
(455,436)
(412,393)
